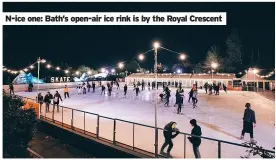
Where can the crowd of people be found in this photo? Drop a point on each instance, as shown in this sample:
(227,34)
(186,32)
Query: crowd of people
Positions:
(170,130)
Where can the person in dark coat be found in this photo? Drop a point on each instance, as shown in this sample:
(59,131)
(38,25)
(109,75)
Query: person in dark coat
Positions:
(178,102)
(248,120)
(168,135)
(103,90)
(206,87)
(224,88)
(149,86)
(125,89)
(39,99)
(143,85)
(109,90)
(93,86)
(190,94)
(118,85)
(196,141)
(57,97)
(11,88)
(137,90)
(47,101)
(83,90)
(168,95)
(161,95)
(88,86)
(30,87)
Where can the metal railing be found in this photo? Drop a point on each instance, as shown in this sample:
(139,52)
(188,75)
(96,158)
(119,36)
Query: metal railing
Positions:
(116,135)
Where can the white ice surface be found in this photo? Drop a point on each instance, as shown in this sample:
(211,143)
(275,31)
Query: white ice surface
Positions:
(220,117)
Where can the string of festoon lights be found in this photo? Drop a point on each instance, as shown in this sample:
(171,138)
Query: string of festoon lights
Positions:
(256,71)
(120,65)
(32,66)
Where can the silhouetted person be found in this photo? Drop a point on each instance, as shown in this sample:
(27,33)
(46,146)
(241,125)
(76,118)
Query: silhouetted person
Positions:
(11,88)
(125,89)
(57,97)
(196,141)
(248,121)
(168,135)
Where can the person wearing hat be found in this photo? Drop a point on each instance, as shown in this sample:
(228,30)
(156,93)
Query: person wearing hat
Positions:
(168,135)
(248,121)
(196,141)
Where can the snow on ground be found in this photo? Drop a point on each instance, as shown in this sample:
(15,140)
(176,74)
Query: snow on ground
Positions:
(220,117)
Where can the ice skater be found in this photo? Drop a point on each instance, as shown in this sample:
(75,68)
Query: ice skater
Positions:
(143,85)
(249,121)
(137,90)
(210,89)
(206,88)
(196,141)
(39,100)
(118,85)
(47,101)
(168,135)
(57,97)
(194,98)
(178,102)
(190,95)
(79,89)
(66,92)
(149,86)
(103,90)
(125,89)
(161,96)
(11,88)
(224,88)
(109,90)
(88,86)
(93,86)
(168,95)
(83,90)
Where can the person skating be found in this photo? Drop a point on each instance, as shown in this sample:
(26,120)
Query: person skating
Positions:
(134,84)
(109,90)
(93,86)
(57,97)
(157,86)
(168,95)
(168,135)
(83,90)
(79,89)
(149,86)
(181,91)
(161,95)
(178,102)
(125,89)
(206,88)
(47,101)
(103,90)
(118,85)
(143,85)
(152,85)
(249,121)
(176,98)
(137,90)
(196,141)
(194,98)
(190,95)
(39,99)
(210,89)
(88,86)
(11,88)
(66,92)
(224,88)
(30,87)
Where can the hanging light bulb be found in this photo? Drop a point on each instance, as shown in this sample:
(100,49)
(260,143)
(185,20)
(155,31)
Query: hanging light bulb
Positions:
(58,68)
(43,61)
(48,66)
(26,70)
(66,71)
(31,66)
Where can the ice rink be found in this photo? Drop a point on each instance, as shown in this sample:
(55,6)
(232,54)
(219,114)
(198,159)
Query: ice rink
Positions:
(220,117)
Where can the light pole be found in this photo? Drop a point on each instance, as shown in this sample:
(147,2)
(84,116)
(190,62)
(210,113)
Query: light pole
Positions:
(214,66)
(37,89)
(246,71)
(255,71)
(156,46)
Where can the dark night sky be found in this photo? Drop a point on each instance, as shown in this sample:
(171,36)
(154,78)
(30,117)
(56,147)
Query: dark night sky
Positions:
(98,46)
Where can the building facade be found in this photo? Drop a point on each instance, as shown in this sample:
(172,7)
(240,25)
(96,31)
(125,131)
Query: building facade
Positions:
(186,80)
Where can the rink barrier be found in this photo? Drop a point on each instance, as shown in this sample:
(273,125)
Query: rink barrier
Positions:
(114,142)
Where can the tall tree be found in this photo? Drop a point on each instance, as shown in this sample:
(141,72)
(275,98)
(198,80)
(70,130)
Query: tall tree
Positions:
(213,57)
(199,68)
(234,51)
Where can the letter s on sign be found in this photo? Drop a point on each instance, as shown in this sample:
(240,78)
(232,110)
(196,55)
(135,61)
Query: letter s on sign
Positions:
(52,79)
